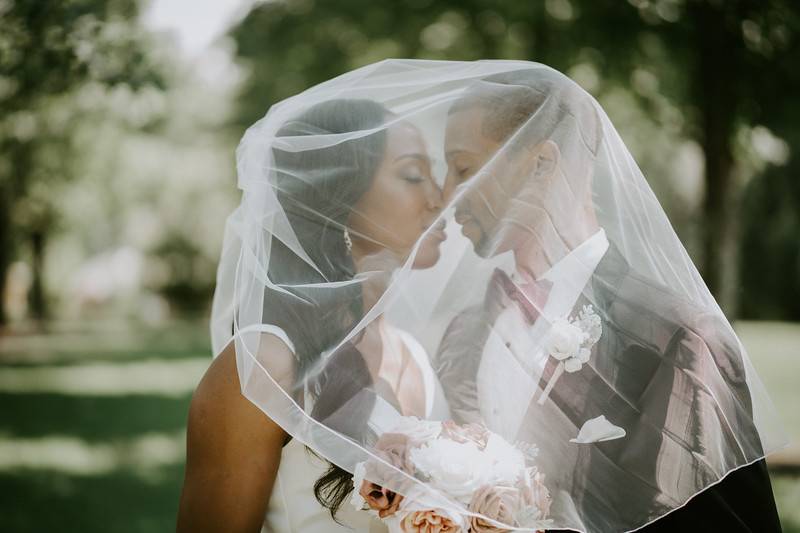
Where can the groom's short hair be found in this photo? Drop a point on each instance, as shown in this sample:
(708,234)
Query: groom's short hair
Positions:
(511,99)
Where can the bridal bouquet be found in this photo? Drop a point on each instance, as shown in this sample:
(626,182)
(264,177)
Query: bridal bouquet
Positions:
(492,483)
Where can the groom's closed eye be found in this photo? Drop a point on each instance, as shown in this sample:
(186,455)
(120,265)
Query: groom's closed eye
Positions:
(458,176)
(464,173)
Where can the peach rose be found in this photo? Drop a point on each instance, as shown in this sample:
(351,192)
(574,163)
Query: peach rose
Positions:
(380,499)
(428,522)
(471,432)
(498,503)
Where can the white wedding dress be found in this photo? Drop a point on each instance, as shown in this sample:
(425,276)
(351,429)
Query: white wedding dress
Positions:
(293,507)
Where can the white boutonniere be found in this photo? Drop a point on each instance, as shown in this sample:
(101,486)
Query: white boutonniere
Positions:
(570,341)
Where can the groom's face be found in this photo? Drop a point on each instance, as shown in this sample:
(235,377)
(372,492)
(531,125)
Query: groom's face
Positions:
(467,151)
(485,208)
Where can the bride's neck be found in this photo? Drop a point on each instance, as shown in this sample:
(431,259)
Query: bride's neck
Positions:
(376,269)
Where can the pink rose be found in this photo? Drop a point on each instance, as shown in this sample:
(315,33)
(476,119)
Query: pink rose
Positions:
(471,432)
(498,503)
(393,448)
(383,500)
(428,522)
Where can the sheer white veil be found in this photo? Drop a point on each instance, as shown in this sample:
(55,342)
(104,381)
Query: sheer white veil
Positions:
(619,394)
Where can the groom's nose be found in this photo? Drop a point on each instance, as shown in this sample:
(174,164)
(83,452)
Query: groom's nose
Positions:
(449,187)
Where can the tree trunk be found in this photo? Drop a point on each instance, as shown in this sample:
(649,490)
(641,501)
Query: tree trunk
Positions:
(38,301)
(717,69)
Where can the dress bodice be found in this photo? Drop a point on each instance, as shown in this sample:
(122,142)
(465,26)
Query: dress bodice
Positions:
(293,507)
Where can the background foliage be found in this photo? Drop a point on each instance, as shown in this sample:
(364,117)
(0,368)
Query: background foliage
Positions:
(117,172)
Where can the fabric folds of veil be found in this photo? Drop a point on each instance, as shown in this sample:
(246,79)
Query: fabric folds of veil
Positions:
(608,369)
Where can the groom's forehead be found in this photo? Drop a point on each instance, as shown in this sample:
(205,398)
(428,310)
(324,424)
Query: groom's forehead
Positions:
(465,133)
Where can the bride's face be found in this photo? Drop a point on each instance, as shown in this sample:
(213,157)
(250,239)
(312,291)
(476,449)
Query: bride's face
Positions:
(401,203)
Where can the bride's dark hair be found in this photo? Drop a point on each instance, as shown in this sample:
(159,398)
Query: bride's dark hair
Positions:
(317,189)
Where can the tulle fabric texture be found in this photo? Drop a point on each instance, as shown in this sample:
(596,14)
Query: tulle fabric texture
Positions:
(622,383)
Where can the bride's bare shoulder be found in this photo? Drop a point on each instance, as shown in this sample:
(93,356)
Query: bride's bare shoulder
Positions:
(218,398)
(232,454)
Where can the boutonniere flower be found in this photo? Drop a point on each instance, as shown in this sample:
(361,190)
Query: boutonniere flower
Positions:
(570,341)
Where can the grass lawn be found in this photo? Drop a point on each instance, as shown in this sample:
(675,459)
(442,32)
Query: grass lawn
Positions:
(774,348)
(76,457)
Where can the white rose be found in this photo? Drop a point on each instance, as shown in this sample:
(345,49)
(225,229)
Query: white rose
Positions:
(508,461)
(565,339)
(457,468)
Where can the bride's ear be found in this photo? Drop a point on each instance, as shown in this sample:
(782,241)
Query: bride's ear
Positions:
(545,158)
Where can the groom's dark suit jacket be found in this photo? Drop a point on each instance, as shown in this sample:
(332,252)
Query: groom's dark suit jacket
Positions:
(672,376)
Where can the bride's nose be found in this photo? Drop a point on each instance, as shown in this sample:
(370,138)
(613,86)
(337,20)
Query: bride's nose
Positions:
(434,196)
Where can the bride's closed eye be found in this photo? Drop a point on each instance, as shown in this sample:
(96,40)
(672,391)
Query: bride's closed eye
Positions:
(414,178)
(415,174)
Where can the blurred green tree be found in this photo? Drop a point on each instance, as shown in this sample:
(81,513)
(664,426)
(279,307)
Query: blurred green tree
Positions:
(48,49)
(737,59)
(722,65)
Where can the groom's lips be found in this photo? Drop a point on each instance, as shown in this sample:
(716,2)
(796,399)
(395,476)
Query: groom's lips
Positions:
(462,218)
(469,226)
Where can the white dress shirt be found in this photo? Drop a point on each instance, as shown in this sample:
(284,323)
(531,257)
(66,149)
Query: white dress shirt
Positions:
(513,358)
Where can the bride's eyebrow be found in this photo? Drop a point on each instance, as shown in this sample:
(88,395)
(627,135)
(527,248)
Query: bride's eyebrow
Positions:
(420,157)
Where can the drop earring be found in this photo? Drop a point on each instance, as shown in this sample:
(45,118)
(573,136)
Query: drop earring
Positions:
(348,242)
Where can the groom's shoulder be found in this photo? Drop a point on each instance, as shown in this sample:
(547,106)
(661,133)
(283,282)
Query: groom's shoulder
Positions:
(641,303)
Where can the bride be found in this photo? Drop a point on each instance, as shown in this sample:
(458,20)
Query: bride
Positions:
(594,381)
(369,202)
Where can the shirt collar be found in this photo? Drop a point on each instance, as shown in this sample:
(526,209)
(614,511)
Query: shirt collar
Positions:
(583,259)
(571,274)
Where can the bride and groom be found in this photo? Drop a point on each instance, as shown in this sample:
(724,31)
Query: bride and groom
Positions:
(636,397)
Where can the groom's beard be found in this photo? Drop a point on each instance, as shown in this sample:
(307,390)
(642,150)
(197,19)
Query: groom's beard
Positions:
(481,223)
(489,226)
(499,237)
(473,230)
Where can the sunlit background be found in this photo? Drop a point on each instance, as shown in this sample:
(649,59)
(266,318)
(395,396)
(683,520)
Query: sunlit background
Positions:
(118,124)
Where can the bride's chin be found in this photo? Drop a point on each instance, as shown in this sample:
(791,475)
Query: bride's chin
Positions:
(427,256)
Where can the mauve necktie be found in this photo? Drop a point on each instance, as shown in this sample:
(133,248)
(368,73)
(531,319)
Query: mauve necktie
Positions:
(531,296)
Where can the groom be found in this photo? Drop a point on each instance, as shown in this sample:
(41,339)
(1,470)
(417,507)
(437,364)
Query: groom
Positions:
(534,199)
